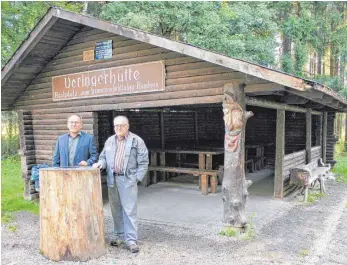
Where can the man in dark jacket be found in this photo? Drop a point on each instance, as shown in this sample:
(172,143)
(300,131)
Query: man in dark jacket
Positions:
(75,148)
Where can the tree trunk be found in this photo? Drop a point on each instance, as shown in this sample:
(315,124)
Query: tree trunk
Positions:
(71,214)
(234,187)
(319,63)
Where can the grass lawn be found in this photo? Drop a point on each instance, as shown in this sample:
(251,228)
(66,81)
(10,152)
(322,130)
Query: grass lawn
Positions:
(340,168)
(12,187)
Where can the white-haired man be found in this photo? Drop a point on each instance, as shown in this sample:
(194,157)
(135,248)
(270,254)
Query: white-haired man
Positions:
(125,157)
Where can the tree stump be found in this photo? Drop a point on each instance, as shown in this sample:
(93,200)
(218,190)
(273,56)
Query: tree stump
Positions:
(71,214)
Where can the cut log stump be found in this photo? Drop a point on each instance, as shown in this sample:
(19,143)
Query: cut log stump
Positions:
(71,214)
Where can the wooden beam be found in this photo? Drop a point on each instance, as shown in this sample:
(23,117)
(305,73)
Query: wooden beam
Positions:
(162,129)
(272,87)
(308,136)
(319,126)
(324,136)
(196,129)
(280,133)
(274,105)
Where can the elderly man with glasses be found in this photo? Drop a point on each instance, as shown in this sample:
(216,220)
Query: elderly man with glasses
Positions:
(125,156)
(75,148)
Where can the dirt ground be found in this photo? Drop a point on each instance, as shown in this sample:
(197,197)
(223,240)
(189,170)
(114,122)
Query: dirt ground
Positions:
(306,234)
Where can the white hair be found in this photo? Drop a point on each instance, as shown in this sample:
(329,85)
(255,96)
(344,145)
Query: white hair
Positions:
(121,118)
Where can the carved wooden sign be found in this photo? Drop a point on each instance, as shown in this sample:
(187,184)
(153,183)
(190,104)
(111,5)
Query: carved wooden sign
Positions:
(137,78)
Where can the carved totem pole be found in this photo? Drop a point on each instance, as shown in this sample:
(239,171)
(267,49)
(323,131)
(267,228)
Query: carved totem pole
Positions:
(234,187)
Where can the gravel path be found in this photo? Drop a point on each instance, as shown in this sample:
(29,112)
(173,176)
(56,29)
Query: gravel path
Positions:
(307,234)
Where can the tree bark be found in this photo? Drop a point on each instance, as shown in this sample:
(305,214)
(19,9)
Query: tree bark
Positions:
(71,214)
(234,187)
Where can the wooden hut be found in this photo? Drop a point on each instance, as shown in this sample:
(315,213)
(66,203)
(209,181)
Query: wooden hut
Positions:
(172,93)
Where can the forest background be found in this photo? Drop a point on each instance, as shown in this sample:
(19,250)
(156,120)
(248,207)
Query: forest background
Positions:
(306,39)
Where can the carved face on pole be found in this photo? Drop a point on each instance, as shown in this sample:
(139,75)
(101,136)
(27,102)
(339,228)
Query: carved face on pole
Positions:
(233,119)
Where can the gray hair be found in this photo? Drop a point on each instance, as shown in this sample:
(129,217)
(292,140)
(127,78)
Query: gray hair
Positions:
(79,116)
(121,117)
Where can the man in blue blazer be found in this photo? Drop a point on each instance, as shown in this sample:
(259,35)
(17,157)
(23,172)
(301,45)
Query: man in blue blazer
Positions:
(75,148)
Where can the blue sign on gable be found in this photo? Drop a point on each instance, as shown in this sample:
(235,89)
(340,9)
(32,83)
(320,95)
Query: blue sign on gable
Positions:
(103,50)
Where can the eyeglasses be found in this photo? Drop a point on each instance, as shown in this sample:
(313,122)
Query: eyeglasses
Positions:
(120,125)
(74,122)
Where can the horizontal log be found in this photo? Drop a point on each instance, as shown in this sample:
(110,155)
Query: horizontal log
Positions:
(183,170)
(207,78)
(86,33)
(44,161)
(44,157)
(121,53)
(53,122)
(78,49)
(197,72)
(296,154)
(65,57)
(90,44)
(108,64)
(192,66)
(44,152)
(294,161)
(84,115)
(145,104)
(296,164)
(90,37)
(58,127)
(122,99)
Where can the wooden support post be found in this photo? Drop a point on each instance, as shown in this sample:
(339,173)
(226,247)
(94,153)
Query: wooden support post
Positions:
(162,163)
(196,129)
(95,129)
(208,161)
(213,184)
(74,228)
(201,165)
(280,132)
(324,136)
(162,130)
(204,184)
(345,132)
(154,162)
(319,130)
(308,135)
(209,167)
(234,187)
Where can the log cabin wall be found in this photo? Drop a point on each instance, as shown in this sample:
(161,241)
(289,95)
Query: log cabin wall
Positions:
(261,128)
(187,79)
(211,128)
(27,147)
(316,152)
(178,127)
(295,132)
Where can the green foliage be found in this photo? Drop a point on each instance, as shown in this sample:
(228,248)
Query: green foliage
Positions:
(303,252)
(12,191)
(340,168)
(252,31)
(243,30)
(313,197)
(9,135)
(230,232)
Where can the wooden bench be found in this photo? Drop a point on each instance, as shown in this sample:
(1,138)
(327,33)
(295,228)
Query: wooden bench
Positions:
(204,174)
(308,174)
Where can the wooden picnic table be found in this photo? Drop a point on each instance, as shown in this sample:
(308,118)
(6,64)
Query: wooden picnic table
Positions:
(205,158)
